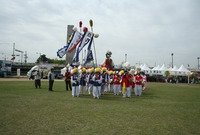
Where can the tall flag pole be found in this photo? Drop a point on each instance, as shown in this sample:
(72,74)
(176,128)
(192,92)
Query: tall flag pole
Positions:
(91,25)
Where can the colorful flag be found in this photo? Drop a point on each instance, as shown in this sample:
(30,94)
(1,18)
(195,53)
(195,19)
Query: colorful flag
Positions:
(73,41)
(13,58)
(61,52)
(86,39)
(89,57)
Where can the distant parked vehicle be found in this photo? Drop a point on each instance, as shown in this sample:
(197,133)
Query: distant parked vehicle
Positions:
(5,68)
(58,74)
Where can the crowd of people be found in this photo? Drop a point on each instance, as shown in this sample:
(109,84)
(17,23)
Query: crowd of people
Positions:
(97,81)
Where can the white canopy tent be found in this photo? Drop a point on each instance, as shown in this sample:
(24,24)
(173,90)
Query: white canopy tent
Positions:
(174,71)
(183,71)
(155,70)
(146,69)
(162,69)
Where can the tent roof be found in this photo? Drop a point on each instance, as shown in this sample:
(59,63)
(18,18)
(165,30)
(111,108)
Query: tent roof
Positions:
(174,68)
(156,68)
(145,67)
(163,67)
(183,69)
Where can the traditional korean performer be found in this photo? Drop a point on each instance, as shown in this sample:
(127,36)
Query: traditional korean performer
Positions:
(138,83)
(116,83)
(82,84)
(90,82)
(97,79)
(75,82)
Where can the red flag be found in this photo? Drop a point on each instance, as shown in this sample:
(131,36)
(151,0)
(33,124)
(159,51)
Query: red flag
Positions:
(13,58)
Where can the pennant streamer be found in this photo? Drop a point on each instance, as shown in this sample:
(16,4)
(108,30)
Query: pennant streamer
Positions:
(74,41)
(89,57)
(61,52)
(13,58)
(86,39)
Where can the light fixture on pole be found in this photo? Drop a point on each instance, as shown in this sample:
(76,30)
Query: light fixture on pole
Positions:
(125,57)
(172,59)
(198,62)
(21,54)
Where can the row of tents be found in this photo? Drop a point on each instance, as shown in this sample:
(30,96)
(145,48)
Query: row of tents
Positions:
(164,71)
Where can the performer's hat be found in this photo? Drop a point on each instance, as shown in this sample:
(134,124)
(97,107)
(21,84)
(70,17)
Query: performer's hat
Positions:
(111,72)
(91,70)
(97,70)
(121,72)
(74,70)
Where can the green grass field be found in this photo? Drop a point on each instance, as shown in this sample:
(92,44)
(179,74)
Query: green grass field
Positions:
(163,109)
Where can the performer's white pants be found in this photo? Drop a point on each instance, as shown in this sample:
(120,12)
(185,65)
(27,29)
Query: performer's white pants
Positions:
(138,90)
(96,91)
(104,88)
(82,89)
(75,91)
(116,88)
(128,92)
(110,87)
(90,87)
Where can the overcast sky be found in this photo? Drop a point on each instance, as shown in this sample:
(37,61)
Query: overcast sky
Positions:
(148,31)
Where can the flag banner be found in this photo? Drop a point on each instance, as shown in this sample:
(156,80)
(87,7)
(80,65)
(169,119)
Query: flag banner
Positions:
(86,39)
(89,57)
(13,58)
(61,52)
(74,41)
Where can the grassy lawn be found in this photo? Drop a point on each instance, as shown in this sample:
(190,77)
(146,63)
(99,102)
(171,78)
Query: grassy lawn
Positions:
(163,109)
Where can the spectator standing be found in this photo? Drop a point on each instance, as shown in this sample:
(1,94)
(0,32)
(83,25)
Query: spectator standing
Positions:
(68,80)
(37,79)
(51,77)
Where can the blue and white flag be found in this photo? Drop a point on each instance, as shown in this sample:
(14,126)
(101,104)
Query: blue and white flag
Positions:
(86,39)
(73,41)
(89,57)
(61,52)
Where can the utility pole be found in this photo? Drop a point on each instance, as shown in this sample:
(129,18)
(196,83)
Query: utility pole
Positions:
(25,57)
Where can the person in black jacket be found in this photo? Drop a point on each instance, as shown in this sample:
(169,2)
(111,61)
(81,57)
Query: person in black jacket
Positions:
(51,77)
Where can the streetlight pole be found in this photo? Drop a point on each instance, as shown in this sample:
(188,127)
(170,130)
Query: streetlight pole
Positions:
(172,59)
(125,57)
(198,62)
(21,54)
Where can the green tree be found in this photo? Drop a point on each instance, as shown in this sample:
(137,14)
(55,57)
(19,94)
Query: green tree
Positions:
(44,59)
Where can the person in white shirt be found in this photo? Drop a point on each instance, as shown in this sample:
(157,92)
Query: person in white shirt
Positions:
(37,79)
